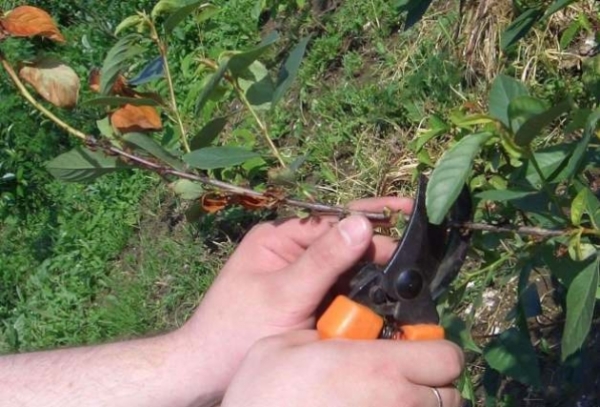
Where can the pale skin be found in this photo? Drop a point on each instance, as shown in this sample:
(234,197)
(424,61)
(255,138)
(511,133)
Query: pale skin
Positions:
(251,341)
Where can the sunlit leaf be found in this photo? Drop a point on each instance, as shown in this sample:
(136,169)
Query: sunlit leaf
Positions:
(208,133)
(180,14)
(53,80)
(257,86)
(81,164)
(239,62)
(149,145)
(210,158)
(522,108)
(577,159)
(128,23)
(131,119)
(502,195)
(116,61)
(578,207)
(513,355)
(504,89)
(27,21)
(211,85)
(581,298)
(105,128)
(166,7)
(450,175)
(187,189)
(585,202)
(289,70)
(534,125)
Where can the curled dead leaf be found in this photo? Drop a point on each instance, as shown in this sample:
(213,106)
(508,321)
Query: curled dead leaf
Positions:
(132,119)
(28,21)
(53,80)
(256,202)
(213,203)
(120,87)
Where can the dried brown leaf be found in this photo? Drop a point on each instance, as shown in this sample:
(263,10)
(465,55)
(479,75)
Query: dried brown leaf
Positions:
(130,118)
(53,80)
(28,21)
(213,203)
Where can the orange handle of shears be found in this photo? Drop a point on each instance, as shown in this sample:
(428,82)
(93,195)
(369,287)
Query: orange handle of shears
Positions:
(347,319)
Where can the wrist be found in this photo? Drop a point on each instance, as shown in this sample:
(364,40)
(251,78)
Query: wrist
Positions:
(195,367)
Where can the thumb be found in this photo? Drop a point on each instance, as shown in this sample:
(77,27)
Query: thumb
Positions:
(334,253)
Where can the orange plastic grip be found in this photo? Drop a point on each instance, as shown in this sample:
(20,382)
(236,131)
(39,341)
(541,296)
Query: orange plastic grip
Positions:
(421,332)
(349,320)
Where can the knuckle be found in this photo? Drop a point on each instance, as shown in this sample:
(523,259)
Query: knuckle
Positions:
(406,398)
(267,346)
(452,359)
(456,399)
(260,230)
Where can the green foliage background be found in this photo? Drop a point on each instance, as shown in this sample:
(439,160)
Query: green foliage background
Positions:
(114,258)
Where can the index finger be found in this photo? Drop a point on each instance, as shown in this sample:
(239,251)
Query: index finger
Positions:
(304,232)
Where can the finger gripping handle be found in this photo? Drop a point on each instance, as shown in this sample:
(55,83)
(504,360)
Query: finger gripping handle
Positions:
(347,319)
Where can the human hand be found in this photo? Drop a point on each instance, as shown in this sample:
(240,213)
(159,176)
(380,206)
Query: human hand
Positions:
(297,369)
(276,279)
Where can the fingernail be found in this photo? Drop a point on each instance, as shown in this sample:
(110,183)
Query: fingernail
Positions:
(354,230)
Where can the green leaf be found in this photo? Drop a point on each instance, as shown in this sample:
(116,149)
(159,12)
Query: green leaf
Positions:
(165,7)
(180,14)
(81,165)
(578,207)
(116,101)
(569,34)
(150,146)
(513,355)
(577,158)
(211,85)
(241,61)
(208,133)
(458,332)
(450,175)
(586,203)
(522,108)
(504,89)
(552,162)
(502,195)
(519,27)
(534,125)
(289,70)
(128,22)
(557,6)
(187,189)
(257,86)
(105,128)
(581,299)
(116,61)
(211,158)
(416,10)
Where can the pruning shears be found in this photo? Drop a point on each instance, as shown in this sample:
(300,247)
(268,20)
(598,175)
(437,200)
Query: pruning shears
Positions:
(398,301)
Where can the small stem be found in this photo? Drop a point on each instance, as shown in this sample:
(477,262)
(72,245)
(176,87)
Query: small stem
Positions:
(162,48)
(520,230)
(545,185)
(261,124)
(29,97)
(322,209)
